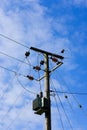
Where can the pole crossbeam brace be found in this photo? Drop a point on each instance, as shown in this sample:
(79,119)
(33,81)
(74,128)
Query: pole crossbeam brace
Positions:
(48,53)
(53,69)
(56,66)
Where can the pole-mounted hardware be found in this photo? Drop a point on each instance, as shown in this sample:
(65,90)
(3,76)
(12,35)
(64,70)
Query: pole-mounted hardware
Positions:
(43,104)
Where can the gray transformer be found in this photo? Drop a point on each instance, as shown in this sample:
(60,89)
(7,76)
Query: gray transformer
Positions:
(40,105)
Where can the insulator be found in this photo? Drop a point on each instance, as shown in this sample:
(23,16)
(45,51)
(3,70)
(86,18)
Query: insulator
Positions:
(30,77)
(27,54)
(37,68)
(62,51)
(66,96)
(34,67)
(42,62)
(80,106)
(54,59)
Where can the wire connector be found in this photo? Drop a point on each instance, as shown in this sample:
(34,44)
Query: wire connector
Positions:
(27,54)
(62,51)
(42,62)
(30,77)
(54,59)
(37,68)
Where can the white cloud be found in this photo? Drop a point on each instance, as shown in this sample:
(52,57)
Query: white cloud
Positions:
(26,21)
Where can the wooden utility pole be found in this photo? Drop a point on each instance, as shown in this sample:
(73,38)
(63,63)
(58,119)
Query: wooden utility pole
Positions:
(47,94)
(47,83)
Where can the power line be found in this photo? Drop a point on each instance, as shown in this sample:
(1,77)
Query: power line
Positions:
(63,108)
(39,72)
(67,99)
(12,71)
(65,112)
(16,74)
(14,58)
(29,65)
(6,37)
(25,88)
(65,95)
(12,106)
(1,96)
(28,77)
(9,126)
(74,111)
(15,119)
(59,113)
(79,105)
(18,60)
(2,119)
(72,93)
(75,93)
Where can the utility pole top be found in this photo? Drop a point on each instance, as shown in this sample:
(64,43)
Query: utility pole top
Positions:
(43,104)
(48,53)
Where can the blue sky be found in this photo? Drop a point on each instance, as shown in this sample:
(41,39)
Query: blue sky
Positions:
(52,26)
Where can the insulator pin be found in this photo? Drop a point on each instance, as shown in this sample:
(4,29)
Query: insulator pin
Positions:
(27,54)
(30,77)
(37,68)
(63,51)
(54,59)
(42,62)
(80,106)
(66,96)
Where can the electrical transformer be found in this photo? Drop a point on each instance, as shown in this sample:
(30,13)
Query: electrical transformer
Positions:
(37,104)
(40,105)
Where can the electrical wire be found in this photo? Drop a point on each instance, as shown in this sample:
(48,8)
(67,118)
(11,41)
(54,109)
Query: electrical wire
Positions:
(15,72)
(77,120)
(15,99)
(79,105)
(65,112)
(39,81)
(14,58)
(1,96)
(10,70)
(12,106)
(63,108)
(11,123)
(15,119)
(22,61)
(70,93)
(39,72)
(15,102)
(59,113)
(63,92)
(29,65)
(25,88)
(73,94)
(67,99)
(6,37)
